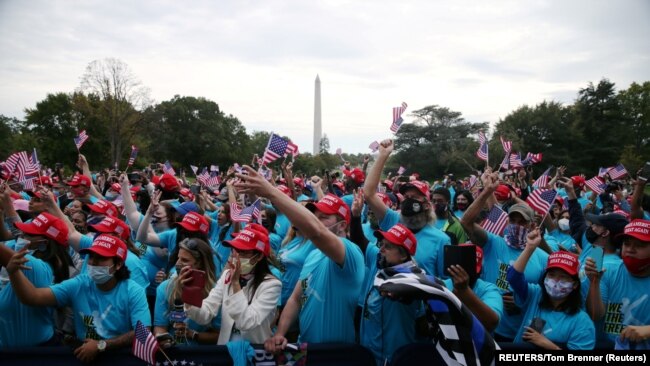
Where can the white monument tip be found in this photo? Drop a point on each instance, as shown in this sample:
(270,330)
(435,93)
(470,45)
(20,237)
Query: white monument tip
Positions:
(317,78)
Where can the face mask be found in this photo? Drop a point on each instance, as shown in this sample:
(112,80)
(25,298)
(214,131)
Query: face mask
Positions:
(636,266)
(246,266)
(411,207)
(265,223)
(461,206)
(333,228)
(441,209)
(591,235)
(111,196)
(557,290)
(563,224)
(21,243)
(100,274)
(516,236)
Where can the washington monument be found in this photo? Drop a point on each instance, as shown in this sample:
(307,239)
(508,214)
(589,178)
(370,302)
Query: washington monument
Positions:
(318,130)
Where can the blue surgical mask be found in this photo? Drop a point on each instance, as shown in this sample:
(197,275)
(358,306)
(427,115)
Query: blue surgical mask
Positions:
(22,243)
(557,290)
(100,274)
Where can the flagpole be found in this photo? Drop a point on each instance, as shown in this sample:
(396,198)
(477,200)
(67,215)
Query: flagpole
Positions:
(164,354)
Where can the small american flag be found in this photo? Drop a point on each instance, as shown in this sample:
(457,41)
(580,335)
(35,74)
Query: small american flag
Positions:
(248,214)
(339,151)
(214,168)
(28,185)
(25,168)
(505,164)
(617,172)
(507,145)
(541,200)
(515,161)
(203,177)
(397,117)
(472,181)
(374,146)
(543,179)
(194,169)
(482,152)
(401,170)
(278,147)
(596,184)
(603,171)
(213,180)
(168,168)
(145,344)
(496,221)
(532,159)
(134,153)
(81,139)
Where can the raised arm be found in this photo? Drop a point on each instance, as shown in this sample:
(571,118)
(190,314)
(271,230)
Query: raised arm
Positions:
(300,217)
(130,209)
(145,232)
(636,211)
(372,180)
(85,168)
(74,237)
(476,233)
(25,290)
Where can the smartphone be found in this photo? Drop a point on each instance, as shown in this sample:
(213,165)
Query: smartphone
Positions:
(198,278)
(193,292)
(464,256)
(645,172)
(597,255)
(538,324)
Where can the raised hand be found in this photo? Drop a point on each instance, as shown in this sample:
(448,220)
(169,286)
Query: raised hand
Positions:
(386,147)
(357,203)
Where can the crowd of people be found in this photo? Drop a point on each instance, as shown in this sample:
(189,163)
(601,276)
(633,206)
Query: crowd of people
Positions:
(85,257)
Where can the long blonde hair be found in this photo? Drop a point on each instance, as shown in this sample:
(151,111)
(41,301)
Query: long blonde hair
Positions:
(202,252)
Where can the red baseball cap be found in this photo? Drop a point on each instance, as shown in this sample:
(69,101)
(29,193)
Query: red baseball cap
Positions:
(111,225)
(421,186)
(339,185)
(559,200)
(284,189)
(248,239)
(168,183)
(80,180)
(103,207)
(356,174)
(578,181)
(185,192)
(401,236)
(479,255)
(116,187)
(389,184)
(46,225)
(639,229)
(45,181)
(193,221)
(502,192)
(298,182)
(107,246)
(155,179)
(385,199)
(257,227)
(563,260)
(331,205)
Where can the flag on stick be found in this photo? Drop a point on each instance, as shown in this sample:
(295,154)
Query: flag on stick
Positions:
(168,168)
(541,200)
(543,179)
(507,145)
(617,172)
(278,147)
(397,117)
(496,221)
(145,344)
(81,139)
(134,153)
(248,214)
(596,184)
(374,146)
(482,152)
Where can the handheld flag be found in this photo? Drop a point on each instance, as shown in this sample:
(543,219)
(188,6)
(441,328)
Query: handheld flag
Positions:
(596,184)
(134,153)
(397,117)
(507,145)
(81,139)
(496,221)
(482,152)
(194,169)
(145,344)
(541,200)
(250,213)
(617,172)
(339,151)
(214,168)
(278,147)
(168,168)
(515,161)
(374,146)
(401,170)
(203,177)
(543,179)
(532,159)
(213,180)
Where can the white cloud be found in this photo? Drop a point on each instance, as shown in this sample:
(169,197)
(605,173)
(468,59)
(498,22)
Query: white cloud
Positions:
(258,60)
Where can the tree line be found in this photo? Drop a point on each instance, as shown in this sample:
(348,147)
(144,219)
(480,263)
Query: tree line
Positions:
(602,127)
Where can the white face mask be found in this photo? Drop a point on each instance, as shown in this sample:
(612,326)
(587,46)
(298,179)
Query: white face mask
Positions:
(246,266)
(100,274)
(563,224)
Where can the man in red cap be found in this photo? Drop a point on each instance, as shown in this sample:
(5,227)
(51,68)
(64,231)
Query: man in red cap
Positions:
(326,294)
(80,187)
(105,303)
(416,213)
(620,294)
(353,180)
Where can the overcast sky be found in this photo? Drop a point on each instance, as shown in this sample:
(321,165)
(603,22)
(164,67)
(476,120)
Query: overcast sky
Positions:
(258,59)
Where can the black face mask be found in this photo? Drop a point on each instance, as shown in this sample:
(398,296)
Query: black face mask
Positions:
(381,261)
(591,235)
(461,206)
(266,223)
(441,209)
(411,207)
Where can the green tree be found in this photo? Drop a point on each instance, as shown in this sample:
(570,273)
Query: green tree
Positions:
(635,112)
(9,130)
(324,145)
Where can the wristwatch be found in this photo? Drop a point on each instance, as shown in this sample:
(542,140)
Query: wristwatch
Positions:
(101,345)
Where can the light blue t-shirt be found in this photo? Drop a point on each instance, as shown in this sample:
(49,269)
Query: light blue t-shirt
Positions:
(133,263)
(459,214)
(488,293)
(276,242)
(22,325)
(563,240)
(386,324)
(292,257)
(626,299)
(282,224)
(576,331)
(221,251)
(103,314)
(163,317)
(497,257)
(429,254)
(330,294)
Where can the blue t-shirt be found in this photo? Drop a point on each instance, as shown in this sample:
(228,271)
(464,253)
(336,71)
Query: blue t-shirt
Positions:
(488,293)
(330,294)
(429,254)
(163,314)
(562,239)
(133,263)
(626,299)
(576,331)
(282,224)
(276,242)
(221,252)
(103,314)
(386,324)
(497,257)
(153,262)
(459,214)
(22,325)
(292,257)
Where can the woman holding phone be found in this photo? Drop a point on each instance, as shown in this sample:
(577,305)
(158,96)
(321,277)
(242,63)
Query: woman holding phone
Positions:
(246,294)
(171,325)
(553,313)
